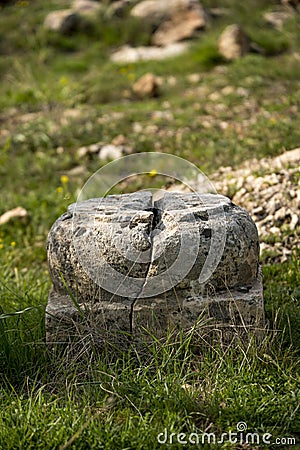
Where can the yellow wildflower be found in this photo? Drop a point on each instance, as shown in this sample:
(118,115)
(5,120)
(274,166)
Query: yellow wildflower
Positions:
(64,179)
(59,189)
(13,243)
(152,173)
(63,81)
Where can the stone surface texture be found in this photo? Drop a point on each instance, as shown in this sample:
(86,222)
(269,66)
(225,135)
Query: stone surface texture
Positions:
(101,248)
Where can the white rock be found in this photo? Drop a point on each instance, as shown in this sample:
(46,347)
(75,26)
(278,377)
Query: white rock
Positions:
(89,149)
(110,151)
(87,7)
(182,25)
(194,77)
(156,11)
(128,54)
(64,21)
(16,213)
(277,18)
(233,42)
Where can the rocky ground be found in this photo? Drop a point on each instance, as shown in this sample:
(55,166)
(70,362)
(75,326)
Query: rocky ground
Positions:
(269,189)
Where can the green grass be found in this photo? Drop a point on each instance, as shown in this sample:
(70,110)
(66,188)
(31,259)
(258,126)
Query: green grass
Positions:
(126,403)
(58,93)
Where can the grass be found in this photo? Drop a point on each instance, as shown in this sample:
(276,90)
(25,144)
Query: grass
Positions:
(126,403)
(59,93)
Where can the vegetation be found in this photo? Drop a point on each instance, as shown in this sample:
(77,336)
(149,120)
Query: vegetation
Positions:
(59,93)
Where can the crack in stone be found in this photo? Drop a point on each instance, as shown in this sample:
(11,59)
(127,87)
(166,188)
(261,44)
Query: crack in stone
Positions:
(155,220)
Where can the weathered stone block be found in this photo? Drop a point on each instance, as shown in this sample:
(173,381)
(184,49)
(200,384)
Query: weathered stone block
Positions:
(125,264)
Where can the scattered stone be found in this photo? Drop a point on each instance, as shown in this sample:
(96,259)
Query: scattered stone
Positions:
(277,18)
(17,213)
(162,115)
(295,4)
(182,25)
(172,20)
(86,7)
(65,21)
(171,80)
(194,78)
(137,127)
(155,11)
(89,149)
(72,113)
(118,147)
(118,8)
(112,116)
(147,86)
(29,117)
(133,263)
(233,42)
(128,54)
(120,140)
(111,152)
(78,171)
(151,10)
